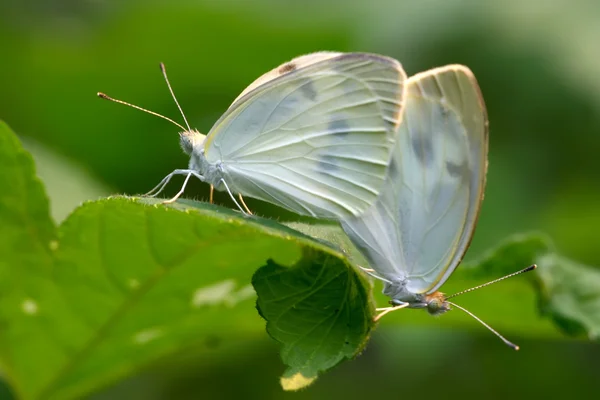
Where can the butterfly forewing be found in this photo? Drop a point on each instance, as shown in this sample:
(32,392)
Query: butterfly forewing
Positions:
(422,224)
(285,68)
(316,140)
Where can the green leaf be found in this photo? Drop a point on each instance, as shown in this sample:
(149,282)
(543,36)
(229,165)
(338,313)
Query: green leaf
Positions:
(570,294)
(124,282)
(316,310)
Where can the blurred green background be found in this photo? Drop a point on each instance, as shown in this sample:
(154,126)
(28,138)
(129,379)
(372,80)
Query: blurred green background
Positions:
(538,65)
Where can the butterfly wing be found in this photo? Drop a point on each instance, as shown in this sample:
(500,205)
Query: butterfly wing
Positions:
(421,226)
(315,135)
(295,64)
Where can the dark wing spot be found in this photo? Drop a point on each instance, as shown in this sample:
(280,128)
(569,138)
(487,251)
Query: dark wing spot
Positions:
(443,109)
(457,170)
(287,67)
(307,89)
(423,148)
(338,127)
(393,169)
(327,163)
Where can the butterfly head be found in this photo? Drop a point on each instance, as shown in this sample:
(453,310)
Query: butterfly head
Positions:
(190,140)
(436,303)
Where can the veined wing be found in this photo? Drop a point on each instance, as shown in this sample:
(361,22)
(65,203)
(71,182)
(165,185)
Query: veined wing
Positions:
(421,226)
(316,140)
(293,65)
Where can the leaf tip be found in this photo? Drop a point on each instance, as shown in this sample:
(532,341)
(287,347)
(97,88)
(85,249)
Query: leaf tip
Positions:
(296,381)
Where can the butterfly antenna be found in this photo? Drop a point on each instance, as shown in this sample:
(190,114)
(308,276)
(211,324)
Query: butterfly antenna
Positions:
(510,344)
(164,72)
(103,96)
(530,268)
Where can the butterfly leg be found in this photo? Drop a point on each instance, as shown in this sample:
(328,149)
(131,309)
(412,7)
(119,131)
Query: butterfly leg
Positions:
(232,196)
(388,310)
(244,204)
(160,187)
(172,200)
(190,173)
(371,272)
(210,196)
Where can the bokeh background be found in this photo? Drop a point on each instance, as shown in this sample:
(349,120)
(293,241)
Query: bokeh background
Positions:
(538,65)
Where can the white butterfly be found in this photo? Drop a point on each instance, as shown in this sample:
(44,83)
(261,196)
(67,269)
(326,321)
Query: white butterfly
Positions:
(419,229)
(313,136)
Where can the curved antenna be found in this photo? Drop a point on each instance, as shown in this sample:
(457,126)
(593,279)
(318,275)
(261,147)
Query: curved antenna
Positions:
(105,97)
(530,268)
(511,344)
(164,72)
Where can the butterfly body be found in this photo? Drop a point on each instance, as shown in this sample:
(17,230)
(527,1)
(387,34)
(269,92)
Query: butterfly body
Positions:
(435,303)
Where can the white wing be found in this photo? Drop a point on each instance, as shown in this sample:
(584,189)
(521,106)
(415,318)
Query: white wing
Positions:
(421,226)
(295,64)
(317,139)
